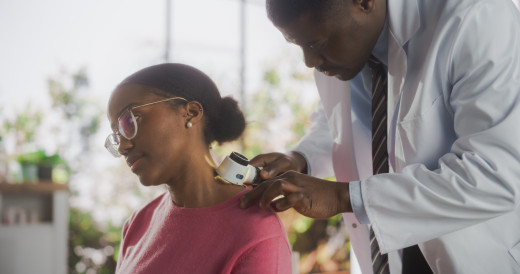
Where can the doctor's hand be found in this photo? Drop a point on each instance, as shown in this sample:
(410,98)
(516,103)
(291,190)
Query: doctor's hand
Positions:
(310,196)
(276,163)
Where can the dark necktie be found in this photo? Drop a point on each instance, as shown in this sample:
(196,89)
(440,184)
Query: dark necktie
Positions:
(379,148)
(413,260)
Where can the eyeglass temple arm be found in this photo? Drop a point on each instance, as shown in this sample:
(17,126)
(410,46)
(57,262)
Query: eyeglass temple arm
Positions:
(173,98)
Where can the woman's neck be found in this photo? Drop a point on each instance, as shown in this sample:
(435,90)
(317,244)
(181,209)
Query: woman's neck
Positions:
(196,186)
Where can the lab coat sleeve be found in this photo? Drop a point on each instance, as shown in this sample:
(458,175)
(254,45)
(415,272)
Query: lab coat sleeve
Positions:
(478,179)
(316,145)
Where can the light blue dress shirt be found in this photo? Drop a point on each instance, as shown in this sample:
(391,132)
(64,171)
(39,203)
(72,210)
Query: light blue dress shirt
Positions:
(361,96)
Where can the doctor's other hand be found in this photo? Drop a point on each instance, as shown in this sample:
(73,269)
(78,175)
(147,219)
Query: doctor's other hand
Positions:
(276,163)
(310,196)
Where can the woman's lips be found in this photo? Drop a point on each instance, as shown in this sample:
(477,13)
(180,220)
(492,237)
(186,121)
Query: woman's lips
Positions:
(134,161)
(135,164)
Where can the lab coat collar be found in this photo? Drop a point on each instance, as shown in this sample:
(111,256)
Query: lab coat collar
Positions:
(404,19)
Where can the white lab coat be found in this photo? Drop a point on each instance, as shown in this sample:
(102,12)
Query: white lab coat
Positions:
(453,138)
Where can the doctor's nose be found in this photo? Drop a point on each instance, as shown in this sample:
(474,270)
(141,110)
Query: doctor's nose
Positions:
(311,58)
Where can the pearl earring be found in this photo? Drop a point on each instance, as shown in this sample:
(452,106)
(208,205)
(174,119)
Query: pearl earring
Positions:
(189,124)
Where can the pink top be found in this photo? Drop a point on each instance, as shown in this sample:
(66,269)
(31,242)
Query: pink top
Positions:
(165,238)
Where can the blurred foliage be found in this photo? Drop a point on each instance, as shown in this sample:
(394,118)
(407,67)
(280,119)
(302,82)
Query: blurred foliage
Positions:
(65,91)
(72,119)
(280,111)
(91,246)
(69,94)
(23,127)
(323,245)
(277,111)
(91,249)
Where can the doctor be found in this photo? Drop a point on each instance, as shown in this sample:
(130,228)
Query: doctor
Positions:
(453,129)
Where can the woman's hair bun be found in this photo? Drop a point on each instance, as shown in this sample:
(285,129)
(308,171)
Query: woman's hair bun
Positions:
(229,123)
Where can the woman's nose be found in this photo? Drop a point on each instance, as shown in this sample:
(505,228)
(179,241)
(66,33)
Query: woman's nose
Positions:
(312,59)
(124,145)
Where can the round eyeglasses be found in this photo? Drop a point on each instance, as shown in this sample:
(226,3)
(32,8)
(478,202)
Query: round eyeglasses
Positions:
(127,127)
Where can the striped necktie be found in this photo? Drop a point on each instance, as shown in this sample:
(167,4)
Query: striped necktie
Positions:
(379,147)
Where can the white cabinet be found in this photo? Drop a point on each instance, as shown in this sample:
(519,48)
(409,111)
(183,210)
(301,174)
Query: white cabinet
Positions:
(33,228)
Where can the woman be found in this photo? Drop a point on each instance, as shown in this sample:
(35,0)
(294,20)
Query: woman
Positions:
(164,119)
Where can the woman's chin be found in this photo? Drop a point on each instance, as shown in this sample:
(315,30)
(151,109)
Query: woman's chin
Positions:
(147,181)
(144,183)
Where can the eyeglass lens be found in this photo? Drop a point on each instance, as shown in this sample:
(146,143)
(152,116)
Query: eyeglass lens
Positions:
(112,144)
(127,126)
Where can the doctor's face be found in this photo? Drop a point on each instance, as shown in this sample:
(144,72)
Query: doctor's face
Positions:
(339,45)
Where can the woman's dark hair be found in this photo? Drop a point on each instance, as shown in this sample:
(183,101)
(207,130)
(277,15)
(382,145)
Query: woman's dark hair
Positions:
(283,12)
(224,119)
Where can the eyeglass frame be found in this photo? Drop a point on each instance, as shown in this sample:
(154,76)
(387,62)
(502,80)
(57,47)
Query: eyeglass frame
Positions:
(117,135)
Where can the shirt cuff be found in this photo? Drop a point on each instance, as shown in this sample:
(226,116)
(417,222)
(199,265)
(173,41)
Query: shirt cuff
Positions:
(356,200)
(306,161)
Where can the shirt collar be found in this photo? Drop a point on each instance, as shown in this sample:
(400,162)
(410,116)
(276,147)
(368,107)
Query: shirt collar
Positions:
(380,50)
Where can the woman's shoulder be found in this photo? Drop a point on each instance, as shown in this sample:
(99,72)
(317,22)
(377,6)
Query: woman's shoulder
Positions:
(264,239)
(258,221)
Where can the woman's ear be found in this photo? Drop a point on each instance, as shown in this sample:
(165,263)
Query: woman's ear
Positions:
(195,112)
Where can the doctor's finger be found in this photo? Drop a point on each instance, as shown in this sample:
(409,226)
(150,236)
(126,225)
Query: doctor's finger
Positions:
(253,196)
(277,188)
(262,160)
(276,167)
(268,161)
(288,201)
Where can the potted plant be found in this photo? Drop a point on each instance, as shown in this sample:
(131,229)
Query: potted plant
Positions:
(46,166)
(38,166)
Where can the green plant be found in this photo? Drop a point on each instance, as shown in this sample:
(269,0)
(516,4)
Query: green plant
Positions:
(40,158)
(22,128)
(37,165)
(91,249)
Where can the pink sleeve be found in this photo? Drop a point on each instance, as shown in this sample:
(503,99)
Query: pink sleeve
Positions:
(266,257)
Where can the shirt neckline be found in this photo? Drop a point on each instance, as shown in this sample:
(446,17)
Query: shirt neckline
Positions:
(231,202)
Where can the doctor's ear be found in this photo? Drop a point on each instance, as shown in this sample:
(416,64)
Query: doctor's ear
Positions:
(194,113)
(365,5)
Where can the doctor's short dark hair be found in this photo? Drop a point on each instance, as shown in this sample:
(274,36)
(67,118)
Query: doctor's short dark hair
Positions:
(283,12)
(224,119)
